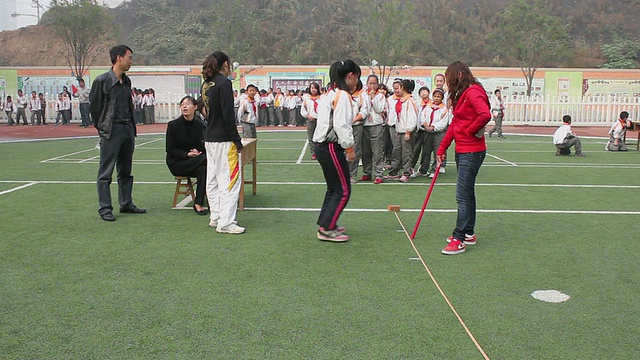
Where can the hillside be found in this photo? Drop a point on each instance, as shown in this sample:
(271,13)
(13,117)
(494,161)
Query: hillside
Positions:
(427,32)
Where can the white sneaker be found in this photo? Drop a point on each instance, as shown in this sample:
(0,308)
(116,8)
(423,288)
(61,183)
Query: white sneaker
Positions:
(231,229)
(415,174)
(213,223)
(442,170)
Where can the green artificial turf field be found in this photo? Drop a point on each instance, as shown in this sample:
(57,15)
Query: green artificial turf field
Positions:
(165,285)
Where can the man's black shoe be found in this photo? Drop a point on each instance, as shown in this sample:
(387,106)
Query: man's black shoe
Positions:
(132,210)
(108,216)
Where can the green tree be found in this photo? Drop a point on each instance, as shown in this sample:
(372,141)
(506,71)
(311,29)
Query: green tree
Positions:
(83,25)
(386,37)
(621,53)
(527,34)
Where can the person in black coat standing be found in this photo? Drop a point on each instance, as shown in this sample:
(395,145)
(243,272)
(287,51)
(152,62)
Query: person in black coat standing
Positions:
(185,150)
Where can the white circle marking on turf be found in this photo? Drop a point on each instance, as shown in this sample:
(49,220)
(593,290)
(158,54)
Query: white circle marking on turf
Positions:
(552,296)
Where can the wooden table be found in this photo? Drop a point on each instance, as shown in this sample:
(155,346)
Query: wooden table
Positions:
(248,155)
(635,127)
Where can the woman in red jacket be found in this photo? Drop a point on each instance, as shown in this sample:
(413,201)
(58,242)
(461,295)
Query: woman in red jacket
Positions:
(471,113)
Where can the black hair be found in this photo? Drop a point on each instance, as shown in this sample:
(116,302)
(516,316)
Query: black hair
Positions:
(339,71)
(118,50)
(439,91)
(566,119)
(408,85)
(80,80)
(624,115)
(213,63)
(9,97)
(252,86)
(385,88)
(315,85)
(423,88)
(496,92)
(191,100)
(40,94)
(373,76)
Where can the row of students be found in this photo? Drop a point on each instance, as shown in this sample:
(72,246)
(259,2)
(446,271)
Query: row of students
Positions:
(144,102)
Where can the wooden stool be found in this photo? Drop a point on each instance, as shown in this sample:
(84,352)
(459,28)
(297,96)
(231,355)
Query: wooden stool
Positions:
(185,188)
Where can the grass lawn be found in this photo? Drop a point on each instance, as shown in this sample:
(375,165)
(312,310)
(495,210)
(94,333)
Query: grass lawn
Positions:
(165,285)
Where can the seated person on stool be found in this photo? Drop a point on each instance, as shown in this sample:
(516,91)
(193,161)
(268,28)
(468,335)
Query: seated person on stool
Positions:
(185,149)
(617,132)
(564,138)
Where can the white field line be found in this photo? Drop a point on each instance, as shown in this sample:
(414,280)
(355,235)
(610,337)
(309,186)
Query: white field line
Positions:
(147,142)
(91,159)
(65,155)
(18,188)
(304,150)
(503,160)
(505,211)
(307,183)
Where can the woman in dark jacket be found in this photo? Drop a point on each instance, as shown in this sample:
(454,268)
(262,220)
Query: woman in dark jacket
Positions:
(185,149)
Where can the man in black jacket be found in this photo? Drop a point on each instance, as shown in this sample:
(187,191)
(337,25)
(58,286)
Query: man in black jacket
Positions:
(112,113)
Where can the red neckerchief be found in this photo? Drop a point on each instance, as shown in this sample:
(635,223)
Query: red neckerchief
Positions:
(315,102)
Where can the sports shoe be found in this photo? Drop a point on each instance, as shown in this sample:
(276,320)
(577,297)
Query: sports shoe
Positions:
(332,236)
(468,239)
(454,247)
(365,178)
(415,174)
(580,155)
(313,157)
(391,177)
(340,229)
(231,229)
(353,181)
(378,180)
(403,179)
(432,175)
(442,170)
(213,223)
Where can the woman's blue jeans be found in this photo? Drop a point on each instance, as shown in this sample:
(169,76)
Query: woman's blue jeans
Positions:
(467,165)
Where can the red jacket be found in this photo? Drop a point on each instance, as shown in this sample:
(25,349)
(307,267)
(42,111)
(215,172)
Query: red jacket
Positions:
(472,113)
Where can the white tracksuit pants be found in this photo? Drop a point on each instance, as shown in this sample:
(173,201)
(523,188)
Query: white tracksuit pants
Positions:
(224,178)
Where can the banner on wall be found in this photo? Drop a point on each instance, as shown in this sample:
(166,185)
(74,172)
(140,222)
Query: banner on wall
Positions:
(261,82)
(49,85)
(616,88)
(512,87)
(293,84)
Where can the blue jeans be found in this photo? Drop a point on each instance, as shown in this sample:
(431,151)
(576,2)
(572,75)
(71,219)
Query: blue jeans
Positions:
(84,113)
(467,165)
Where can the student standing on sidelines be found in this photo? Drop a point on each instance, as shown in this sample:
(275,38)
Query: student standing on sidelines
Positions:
(362,100)
(406,112)
(421,135)
(222,144)
(263,117)
(21,108)
(112,114)
(9,107)
(290,107)
(34,107)
(43,108)
(58,108)
(334,139)
(149,106)
(434,119)
(65,109)
(392,120)
(279,107)
(248,112)
(271,114)
(617,133)
(83,100)
(497,110)
(471,113)
(373,133)
(309,111)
